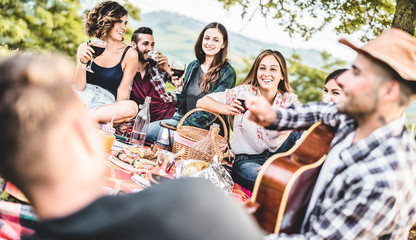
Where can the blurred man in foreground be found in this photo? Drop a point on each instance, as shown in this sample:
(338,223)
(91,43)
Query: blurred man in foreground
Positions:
(51,151)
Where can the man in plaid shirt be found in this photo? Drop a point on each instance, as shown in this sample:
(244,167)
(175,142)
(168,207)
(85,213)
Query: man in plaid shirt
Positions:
(147,82)
(365,187)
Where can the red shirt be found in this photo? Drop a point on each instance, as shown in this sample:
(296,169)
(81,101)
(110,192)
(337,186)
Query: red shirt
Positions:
(159,109)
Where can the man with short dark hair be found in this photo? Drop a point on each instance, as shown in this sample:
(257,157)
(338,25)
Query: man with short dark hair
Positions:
(365,189)
(52,152)
(146,82)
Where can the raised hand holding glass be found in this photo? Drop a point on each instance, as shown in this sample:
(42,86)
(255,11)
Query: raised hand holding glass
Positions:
(241,98)
(178,68)
(99,46)
(152,58)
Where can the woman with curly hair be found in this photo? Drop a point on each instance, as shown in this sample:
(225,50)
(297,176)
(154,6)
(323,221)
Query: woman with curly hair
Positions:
(210,72)
(106,91)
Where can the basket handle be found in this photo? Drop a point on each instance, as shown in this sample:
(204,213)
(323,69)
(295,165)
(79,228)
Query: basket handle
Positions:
(201,109)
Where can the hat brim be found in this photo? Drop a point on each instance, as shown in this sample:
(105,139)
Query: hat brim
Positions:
(395,48)
(349,44)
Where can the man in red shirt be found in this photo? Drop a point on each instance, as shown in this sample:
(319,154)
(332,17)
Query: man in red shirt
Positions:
(151,77)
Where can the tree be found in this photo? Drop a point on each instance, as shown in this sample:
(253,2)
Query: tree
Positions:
(46,24)
(242,73)
(308,82)
(306,17)
(41,24)
(405,16)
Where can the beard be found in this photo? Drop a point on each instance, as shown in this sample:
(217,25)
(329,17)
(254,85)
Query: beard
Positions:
(359,108)
(141,56)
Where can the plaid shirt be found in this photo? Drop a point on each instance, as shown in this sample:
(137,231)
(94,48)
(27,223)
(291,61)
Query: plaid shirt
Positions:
(371,194)
(16,220)
(159,84)
(226,79)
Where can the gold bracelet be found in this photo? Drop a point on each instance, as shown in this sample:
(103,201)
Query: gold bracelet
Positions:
(82,61)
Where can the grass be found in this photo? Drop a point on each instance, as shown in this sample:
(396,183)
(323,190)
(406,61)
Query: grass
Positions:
(169,87)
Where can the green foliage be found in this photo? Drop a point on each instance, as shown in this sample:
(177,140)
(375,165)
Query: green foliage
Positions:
(308,82)
(242,73)
(307,17)
(41,25)
(6,52)
(52,25)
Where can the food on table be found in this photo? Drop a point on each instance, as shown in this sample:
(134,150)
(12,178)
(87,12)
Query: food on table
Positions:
(194,167)
(123,157)
(134,151)
(134,156)
(149,154)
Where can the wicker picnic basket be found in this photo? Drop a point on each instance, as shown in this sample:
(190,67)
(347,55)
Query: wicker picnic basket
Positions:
(208,147)
(186,136)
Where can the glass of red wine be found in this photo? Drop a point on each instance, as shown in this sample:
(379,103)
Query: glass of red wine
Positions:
(99,46)
(243,104)
(178,68)
(152,58)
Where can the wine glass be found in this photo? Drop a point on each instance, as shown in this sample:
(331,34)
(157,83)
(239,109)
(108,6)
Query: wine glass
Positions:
(99,46)
(152,58)
(178,68)
(242,99)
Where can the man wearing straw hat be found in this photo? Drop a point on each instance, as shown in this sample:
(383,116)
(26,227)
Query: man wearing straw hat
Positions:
(365,189)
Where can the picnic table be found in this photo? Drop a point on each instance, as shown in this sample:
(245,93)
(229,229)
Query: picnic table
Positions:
(17,218)
(120,177)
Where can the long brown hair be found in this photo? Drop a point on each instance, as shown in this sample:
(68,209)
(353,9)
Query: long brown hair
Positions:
(220,58)
(252,75)
(102,17)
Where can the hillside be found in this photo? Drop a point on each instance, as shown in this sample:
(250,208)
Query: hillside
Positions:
(175,36)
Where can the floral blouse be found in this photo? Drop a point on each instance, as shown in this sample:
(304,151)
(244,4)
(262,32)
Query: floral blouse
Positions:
(250,138)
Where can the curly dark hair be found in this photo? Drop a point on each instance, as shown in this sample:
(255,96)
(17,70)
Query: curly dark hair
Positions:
(102,17)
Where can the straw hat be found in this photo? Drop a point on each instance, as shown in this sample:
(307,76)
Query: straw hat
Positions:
(394,47)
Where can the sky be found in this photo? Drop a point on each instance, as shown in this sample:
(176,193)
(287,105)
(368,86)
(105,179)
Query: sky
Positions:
(266,30)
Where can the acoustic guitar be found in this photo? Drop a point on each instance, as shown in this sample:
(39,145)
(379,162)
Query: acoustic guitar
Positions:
(285,183)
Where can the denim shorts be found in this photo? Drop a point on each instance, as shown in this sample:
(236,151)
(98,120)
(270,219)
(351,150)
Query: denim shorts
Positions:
(95,96)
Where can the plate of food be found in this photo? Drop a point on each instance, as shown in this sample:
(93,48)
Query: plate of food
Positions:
(133,158)
(121,164)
